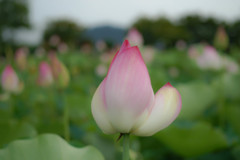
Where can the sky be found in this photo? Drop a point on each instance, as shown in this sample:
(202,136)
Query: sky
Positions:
(121,13)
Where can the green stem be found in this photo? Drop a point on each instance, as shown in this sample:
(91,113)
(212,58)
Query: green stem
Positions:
(222,103)
(126,147)
(66,123)
(65,115)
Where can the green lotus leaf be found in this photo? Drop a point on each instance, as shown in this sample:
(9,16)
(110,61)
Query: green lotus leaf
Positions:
(47,147)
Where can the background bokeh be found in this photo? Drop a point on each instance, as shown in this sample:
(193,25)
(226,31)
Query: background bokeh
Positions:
(58,72)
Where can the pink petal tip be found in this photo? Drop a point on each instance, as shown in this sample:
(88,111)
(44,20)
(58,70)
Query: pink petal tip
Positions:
(168,84)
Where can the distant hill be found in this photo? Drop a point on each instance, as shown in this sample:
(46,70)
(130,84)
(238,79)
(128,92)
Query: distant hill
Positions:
(107,33)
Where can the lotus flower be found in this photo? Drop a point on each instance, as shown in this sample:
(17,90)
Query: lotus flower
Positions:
(10,81)
(209,59)
(21,58)
(60,72)
(221,39)
(45,75)
(125,103)
(134,37)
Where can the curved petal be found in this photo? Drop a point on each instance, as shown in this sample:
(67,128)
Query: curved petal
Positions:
(128,90)
(124,46)
(99,111)
(165,110)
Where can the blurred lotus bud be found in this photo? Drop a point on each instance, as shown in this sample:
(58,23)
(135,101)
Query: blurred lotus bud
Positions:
(106,57)
(9,80)
(21,58)
(62,47)
(40,52)
(86,48)
(134,37)
(209,59)
(101,70)
(101,45)
(54,40)
(60,72)
(173,72)
(181,45)
(195,51)
(45,77)
(221,39)
(148,54)
(230,65)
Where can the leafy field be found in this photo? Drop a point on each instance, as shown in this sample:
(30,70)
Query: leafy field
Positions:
(207,127)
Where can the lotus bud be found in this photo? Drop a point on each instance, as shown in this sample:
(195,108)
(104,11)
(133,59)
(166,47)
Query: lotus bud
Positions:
(134,37)
(45,77)
(62,47)
(54,40)
(101,70)
(9,80)
(209,59)
(124,102)
(60,72)
(21,58)
(221,39)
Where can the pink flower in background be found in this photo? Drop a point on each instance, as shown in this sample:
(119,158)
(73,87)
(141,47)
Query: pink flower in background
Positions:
(62,47)
(221,39)
(195,51)
(54,40)
(181,45)
(9,80)
(60,72)
(125,103)
(40,52)
(101,45)
(101,70)
(209,59)
(148,54)
(134,37)
(230,65)
(45,77)
(21,58)
(206,57)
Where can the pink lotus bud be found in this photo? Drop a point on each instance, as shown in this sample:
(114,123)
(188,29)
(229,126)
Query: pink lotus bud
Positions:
(221,39)
(10,81)
(45,77)
(230,65)
(60,72)
(101,70)
(181,45)
(209,59)
(54,40)
(62,47)
(134,37)
(21,58)
(101,45)
(195,51)
(125,103)
(148,54)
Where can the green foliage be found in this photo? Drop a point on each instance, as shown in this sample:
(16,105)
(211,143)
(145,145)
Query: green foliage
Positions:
(15,130)
(199,28)
(208,125)
(190,28)
(47,147)
(193,139)
(161,30)
(13,16)
(68,31)
(191,94)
